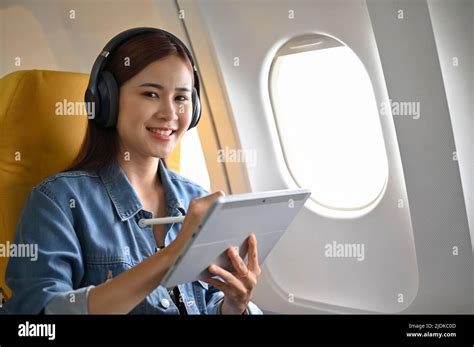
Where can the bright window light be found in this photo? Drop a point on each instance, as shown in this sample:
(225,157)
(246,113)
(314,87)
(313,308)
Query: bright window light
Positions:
(328,122)
(192,163)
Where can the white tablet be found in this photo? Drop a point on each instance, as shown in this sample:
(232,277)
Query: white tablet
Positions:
(229,222)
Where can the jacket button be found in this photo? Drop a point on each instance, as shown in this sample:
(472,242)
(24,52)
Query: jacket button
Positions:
(165,303)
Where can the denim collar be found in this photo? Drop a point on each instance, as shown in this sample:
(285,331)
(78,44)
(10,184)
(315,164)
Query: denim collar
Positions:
(125,199)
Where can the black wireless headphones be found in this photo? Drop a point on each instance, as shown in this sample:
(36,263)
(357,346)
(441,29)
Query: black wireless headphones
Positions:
(103,89)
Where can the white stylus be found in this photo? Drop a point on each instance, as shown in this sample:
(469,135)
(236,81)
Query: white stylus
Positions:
(165,220)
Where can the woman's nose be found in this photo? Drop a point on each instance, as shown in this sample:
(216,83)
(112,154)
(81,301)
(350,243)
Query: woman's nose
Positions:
(168,110)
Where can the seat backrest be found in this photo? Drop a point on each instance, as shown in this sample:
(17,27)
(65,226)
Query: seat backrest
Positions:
(41,132)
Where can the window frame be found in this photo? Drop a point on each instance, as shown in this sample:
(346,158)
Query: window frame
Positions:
(305,43)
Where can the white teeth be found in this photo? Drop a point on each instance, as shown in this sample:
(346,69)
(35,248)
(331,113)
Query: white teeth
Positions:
(160,131)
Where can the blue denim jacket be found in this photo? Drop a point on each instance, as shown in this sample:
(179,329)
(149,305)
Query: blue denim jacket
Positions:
(86,227)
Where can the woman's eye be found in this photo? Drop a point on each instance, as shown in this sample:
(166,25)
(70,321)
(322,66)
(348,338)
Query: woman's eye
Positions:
(151,94)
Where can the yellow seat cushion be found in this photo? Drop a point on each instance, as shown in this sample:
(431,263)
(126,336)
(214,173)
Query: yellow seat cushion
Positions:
(35,142)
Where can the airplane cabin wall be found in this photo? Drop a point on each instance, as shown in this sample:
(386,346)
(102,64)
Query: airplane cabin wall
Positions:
(453,25)
(412,72)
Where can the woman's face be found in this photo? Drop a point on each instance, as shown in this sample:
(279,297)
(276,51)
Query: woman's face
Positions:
(155,108)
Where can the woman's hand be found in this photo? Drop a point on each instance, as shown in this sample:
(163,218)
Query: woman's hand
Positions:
(196,211)
(238,286)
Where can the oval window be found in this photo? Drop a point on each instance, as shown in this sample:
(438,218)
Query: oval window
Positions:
(328,122)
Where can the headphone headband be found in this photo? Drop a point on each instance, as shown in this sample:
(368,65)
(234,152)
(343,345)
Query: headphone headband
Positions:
(97,87)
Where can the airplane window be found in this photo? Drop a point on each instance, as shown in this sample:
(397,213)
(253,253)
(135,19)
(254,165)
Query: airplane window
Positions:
(328,122)
(192,164)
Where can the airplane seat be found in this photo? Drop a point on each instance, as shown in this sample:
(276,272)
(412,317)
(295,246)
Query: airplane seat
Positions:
(42,127)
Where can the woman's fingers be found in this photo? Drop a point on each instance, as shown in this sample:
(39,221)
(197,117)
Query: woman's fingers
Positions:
(222,286)
(238,288)
(238,263)
(198,207)
(253,255)
(230,279)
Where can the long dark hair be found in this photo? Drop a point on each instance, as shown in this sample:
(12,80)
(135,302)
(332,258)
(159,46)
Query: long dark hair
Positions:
(101,145)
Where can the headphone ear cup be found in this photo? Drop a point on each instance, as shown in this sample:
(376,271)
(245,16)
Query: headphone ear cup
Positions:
(196,109)
(109,99)
(91,104)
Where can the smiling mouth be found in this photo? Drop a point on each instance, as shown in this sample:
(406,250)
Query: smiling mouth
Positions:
(161,131)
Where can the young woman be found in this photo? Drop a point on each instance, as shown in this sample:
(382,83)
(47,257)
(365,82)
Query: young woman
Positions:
(93,257)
